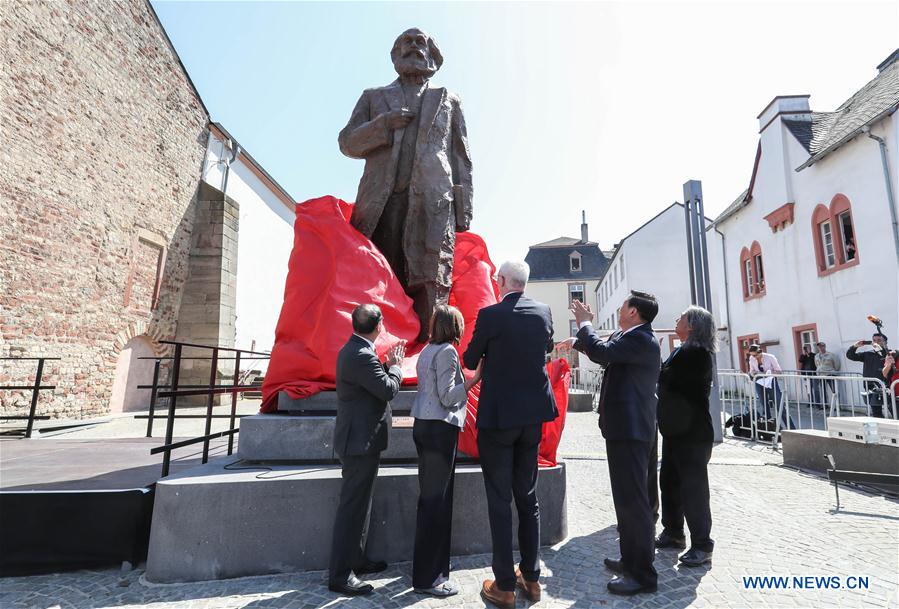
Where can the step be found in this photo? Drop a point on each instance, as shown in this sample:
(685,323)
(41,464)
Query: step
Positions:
(215,523)
(284,437)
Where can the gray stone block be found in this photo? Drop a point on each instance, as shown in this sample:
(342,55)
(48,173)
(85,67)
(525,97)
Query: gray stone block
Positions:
(580,401)
(275,437)
(806,449)
(326,401)
(215,523)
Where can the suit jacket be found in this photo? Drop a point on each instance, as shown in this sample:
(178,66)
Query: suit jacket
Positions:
(364,389)
(441,178)
(684,385)
(441,392)
(513,336)
(627,398)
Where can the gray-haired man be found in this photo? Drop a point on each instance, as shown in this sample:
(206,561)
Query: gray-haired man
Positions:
(826,364)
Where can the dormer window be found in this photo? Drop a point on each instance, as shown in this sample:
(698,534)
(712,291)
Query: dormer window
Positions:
(574,262)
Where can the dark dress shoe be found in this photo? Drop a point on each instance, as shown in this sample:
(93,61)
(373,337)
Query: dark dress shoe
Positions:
(370,566)
(627,586)
(695,558)
(353,586)
(613,564)
(671,540)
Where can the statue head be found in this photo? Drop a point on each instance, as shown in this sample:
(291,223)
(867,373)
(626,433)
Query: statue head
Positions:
(414,53)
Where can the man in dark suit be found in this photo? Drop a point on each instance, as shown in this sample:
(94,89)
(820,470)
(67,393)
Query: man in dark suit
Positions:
(513,338)
(364,389)
(627,419)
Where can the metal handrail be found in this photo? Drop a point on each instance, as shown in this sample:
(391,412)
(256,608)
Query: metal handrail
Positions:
(35,388)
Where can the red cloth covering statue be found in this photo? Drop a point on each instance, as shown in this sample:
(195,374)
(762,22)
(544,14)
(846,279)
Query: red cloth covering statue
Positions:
(333,268)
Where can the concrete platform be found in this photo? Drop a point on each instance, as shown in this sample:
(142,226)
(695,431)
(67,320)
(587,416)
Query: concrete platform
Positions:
(325,402)
(216,523)
(806,449)
(282,437)
(579,401)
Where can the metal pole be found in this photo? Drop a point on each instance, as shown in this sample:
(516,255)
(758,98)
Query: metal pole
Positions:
(35,392)
(705,250)
(213,374)
(153,393)
(689,246)
(234,402)
(170,421)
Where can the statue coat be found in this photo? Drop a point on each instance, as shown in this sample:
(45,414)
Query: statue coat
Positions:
(441,176)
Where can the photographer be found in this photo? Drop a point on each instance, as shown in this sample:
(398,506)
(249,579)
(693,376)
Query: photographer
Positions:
(874,366)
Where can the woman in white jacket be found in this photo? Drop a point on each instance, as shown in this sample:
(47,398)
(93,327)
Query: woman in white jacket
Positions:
(439,412)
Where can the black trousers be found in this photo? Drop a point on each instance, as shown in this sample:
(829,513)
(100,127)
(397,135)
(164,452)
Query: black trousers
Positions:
(652,478)
(353,512)
(509,462)
(435,442)
(685,490)
(628,467)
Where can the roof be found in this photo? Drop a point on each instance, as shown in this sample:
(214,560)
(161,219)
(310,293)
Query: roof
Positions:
(551,262)
(802,131)
(873,102)
(564,242)
(738,204)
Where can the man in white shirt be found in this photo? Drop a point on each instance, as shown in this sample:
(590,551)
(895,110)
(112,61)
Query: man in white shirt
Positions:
(762,368)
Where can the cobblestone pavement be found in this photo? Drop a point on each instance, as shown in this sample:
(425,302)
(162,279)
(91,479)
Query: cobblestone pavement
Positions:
(769,521)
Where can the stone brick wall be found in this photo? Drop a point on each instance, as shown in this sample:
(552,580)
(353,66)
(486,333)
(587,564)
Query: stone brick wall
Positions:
(102,140)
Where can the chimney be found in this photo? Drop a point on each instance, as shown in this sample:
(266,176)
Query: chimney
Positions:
(584,226)
(777,162)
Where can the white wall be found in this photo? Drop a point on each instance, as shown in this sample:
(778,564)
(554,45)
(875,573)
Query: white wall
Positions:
(655,261)
(795,295)
(265,240)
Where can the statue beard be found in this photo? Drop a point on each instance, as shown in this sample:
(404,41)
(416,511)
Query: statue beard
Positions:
(415,66)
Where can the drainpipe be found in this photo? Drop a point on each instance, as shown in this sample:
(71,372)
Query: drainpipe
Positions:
(235,150)
(730,337)
(889,184)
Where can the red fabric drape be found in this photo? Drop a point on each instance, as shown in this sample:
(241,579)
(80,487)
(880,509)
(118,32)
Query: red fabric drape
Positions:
(332,269)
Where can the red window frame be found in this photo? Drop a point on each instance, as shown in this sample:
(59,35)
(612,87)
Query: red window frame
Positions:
(839,205)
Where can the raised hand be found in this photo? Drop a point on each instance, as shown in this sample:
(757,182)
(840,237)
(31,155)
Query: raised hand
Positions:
(399,119)
(581,311)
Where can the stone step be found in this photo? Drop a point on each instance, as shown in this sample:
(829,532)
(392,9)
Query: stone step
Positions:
(210,522)
(326,402)
(284,438)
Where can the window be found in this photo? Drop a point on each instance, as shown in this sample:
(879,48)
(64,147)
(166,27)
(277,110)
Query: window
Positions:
(804,336)
(835,240)
(572,327)
(759,272)
(752,271)
(574,262)
(830,256)
(615,276)
(747,268)
(576,292)
(844,221)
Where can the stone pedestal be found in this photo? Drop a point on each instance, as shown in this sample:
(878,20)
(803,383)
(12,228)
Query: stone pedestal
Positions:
(271,507)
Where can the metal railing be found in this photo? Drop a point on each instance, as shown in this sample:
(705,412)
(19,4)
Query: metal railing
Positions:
(587,380)
(35,389)
(174,390)
(798,401)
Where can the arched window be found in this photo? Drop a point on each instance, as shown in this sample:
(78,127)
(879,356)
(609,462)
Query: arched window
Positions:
(758,268)
(746,273)
(833,234)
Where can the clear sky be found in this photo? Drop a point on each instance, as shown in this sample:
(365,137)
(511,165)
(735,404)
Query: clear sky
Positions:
(607,107)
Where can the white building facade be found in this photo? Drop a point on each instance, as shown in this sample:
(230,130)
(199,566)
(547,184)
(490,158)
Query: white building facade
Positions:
(654,259)
(265,238)
(810,246)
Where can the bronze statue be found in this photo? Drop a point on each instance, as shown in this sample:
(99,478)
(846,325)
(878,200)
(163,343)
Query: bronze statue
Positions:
(415,192)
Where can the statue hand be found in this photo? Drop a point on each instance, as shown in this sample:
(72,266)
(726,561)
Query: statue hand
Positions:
(461,228)
(399,119)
